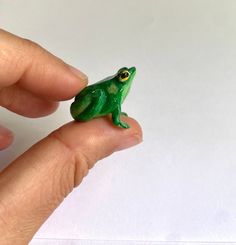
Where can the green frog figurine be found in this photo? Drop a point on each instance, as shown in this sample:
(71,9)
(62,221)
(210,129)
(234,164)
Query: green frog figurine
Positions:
(104,97)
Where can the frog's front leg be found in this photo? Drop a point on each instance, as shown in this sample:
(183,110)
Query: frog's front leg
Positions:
(116,118)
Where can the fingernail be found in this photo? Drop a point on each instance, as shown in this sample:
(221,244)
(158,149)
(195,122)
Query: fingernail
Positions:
(79,74)
(132,141)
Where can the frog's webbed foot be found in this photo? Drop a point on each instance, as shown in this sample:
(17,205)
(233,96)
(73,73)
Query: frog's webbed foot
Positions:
(124,114)
(116,119)
(123,125)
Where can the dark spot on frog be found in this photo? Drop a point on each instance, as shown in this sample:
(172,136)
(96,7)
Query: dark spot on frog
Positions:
(124,75)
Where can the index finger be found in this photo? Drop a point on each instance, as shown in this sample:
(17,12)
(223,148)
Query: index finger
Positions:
(36,70)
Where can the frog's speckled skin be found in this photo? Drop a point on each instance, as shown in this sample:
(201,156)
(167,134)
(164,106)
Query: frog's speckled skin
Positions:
(104,97)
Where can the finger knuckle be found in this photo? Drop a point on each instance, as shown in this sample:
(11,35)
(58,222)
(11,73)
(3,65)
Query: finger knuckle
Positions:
(8,98)
(10,60)
(80,161)
(30,44)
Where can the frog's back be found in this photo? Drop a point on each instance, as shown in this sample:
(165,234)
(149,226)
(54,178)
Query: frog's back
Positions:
(93,101)
(94,87)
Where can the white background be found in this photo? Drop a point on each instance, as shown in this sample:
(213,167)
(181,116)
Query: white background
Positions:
(180,183)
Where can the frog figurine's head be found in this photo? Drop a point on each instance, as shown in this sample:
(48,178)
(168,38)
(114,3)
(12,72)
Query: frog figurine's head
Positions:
(125,77)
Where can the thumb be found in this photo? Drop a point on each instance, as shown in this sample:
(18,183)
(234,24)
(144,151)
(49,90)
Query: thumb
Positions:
(38,181)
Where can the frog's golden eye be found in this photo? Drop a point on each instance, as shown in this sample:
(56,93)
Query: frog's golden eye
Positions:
(123,76)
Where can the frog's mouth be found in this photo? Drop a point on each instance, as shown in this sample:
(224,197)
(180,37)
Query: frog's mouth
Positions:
(132,70)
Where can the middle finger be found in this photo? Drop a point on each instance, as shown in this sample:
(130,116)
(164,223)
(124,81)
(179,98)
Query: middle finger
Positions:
(25,103)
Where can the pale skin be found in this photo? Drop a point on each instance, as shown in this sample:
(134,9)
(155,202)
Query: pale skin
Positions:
(32,82)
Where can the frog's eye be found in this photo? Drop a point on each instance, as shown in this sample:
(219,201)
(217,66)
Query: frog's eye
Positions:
(123,76)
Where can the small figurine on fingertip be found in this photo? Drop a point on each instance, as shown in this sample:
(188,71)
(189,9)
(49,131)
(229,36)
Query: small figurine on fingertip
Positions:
(104,97)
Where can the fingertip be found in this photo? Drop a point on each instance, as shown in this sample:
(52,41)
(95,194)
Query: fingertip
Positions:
(134,125)
(103,133)
(71,82)
(78,73)
(6,138)
(134,134)
(57,81)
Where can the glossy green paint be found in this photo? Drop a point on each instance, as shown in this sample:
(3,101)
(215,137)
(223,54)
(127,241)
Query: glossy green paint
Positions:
(104,97)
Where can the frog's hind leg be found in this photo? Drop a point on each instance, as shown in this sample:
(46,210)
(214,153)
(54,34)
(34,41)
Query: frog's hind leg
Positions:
(92,106)
(78,106)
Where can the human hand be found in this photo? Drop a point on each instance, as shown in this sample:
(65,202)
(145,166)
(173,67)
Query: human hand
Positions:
(31,187)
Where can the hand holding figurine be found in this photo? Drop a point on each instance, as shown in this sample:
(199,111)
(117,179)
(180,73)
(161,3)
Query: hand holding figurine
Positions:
(32,81)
